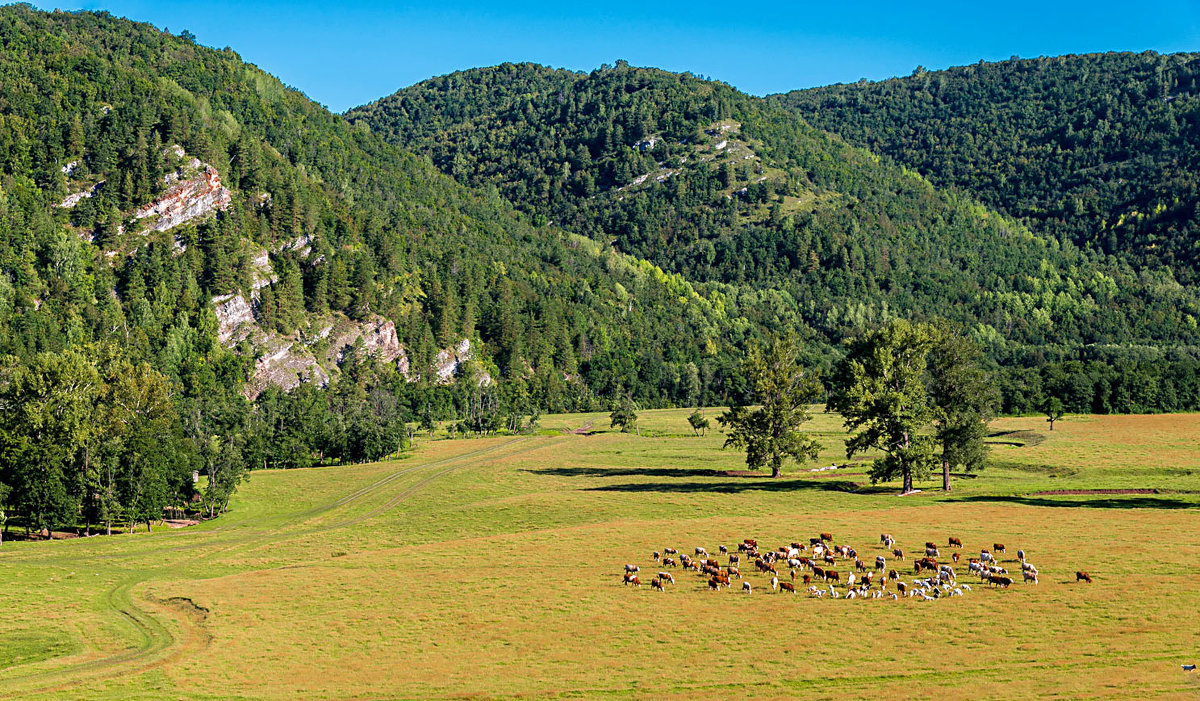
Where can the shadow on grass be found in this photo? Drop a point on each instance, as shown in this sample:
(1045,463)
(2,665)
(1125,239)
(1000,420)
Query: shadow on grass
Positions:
(1132,502)
(627,472)
(747,485)
(736,485)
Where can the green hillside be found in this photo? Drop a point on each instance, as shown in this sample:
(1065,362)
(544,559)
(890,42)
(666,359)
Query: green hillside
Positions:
(1101,149)
(722,187)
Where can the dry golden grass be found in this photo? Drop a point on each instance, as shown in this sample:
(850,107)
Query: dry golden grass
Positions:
(492,567)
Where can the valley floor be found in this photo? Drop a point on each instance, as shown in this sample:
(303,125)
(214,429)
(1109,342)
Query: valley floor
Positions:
(493,567)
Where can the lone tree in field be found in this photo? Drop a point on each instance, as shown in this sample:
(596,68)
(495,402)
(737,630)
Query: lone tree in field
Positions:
(624,415)
(964,401)
(1053,411)
(879,389)
(698,422)
(784,390)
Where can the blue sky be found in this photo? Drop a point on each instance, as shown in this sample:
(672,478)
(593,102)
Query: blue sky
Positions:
(348,53)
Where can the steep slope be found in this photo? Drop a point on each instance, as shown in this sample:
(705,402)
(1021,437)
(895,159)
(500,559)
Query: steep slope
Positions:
(735,191)
(147,183)
(1100,149)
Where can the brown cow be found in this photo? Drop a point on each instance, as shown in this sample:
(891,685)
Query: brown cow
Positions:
(954,542)
(631,578)
(901,587)
(829,559)
(893,574)
(929,544)
(807,580)
(826,537)
(998,547)
(1000,581)
(656,556)
(787,586)
(669,562)
(954,556)
(897,552)
(818,572)
(657,584)
(860,565)
(1082,576)
(714,584)
(830,574)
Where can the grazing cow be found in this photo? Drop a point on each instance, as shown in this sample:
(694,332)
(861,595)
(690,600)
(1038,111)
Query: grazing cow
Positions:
(666,577)
(733,572)
(787,586)
(669,562)
(829,559)
(1030,576)
(954,542)
(1083,577)
(897,552)
(867,578)
(1021,555)
(998,547)
(893,574)
(814,541)
(774,583)
(931,552)
(657,584)
(751,542)
(930,544)
(657,557)
(735,559)
(747,588)
(631,578)
(985,556)
(807,579)
(701,552)
(860,565)
(714,584)
(632,568)
(818,572)
(901,587)
(880,563)
(793,553)
(693,566)
(884,538)
(954,556)
(826,537)
(723,549)
(850,579)
(670,551)
(830,574)
(1000,581)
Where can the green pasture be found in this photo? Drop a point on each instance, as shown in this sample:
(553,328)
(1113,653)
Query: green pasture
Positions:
(492,567)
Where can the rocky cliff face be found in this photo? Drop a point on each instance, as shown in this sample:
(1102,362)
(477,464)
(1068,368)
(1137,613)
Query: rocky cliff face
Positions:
(286,361)
(187,198)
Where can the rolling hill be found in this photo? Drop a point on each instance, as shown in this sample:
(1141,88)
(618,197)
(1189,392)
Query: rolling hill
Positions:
(1097,149)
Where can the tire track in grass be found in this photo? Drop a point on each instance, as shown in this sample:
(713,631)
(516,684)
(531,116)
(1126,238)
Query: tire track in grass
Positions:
(156,638)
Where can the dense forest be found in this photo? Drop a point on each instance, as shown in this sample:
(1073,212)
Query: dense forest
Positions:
(598,238)
(736,191)
(1101,149)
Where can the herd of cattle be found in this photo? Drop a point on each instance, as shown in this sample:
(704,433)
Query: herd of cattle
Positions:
(813,567)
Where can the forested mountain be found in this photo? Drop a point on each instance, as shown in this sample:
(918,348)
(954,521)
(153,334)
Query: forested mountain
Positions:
(175,218)
(736,191)
(1102,149)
